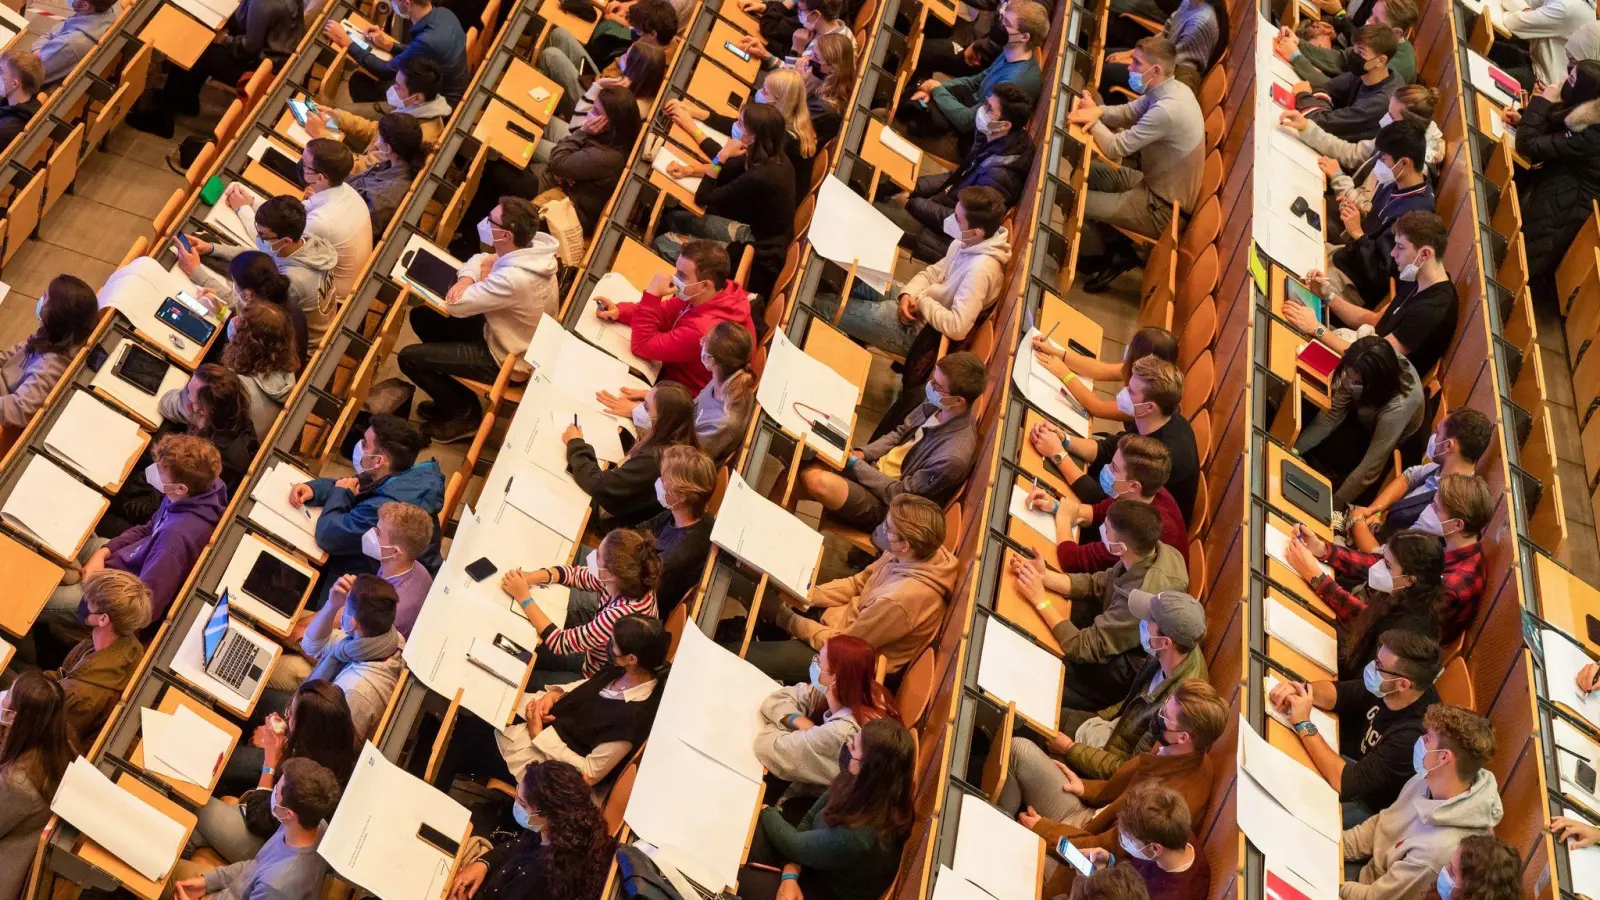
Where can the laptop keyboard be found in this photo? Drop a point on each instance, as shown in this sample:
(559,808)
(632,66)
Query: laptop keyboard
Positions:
(235,662)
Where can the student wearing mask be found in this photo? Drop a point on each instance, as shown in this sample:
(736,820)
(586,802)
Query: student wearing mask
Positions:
(1412,103)
(1482,868)
(67,312)
(1350,104)
(334,211)
(287,867)
(1165,127)
(829,69)
(805,728)
(401,536)
(306,259)
(683,531)
(586,164)
(21,77)
(1452,796)
(489,314)
(68,43)
(253,277)
(674,314)
(1316,64)
(1155,837)
(35,750)
(386,470)
(1138,471)
(562,852)
(1155,390)
(784,34)
(1000,159)
(625,494)
(624,571)
(398,154)
(1376,404)
(723,407)
(641,70)
(1197,29)
(895,604)
(936,109)
(783,90)
(1403,590)
(1380,719)
(847,847)
(434,33)
(260,350)
(930,455)
(1406,501)
(1360,268)
(116,605)
(1104,658)
(1556,133)
(623,27)
(1068,365)
(365,663)
(414,94)
(1119,882)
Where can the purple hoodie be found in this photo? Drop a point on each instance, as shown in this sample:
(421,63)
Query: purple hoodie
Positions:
(162,551)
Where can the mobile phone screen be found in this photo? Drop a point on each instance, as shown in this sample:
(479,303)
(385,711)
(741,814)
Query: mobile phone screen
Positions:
(1074,856)
(736,50)
(300,110)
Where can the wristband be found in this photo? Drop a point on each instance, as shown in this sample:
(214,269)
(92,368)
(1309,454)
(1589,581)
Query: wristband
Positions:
(268,770)
(789,719)
(789,876)
(525,602)
(1042,605)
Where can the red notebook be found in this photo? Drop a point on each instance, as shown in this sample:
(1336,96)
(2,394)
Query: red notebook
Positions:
(1506,82)
(1282,96)
(1319,359)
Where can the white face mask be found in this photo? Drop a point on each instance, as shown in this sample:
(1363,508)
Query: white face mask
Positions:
(1382,172)
(372,548)
(152,475)
(395,99)
(1379,578)
(1125,402)
(593,565)
(486,231)
(661,494)
(1133,848)
(1386,121)
(1408,272)
(358,458)
(38,308)
(1434,452)
(951,228)
(641,416)
(1113,547)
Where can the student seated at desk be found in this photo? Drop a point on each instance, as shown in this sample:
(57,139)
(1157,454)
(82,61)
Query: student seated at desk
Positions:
(1158,845)
(723,407)
(1349,105)
(67,313)
(683,531)
(785,91)
(1380,719)
(1485,868)
(365,663)
(675,313)
(433,32)
(586,164)
(562,852)
(1361,268)
(829,69)
(401,153)
(624,571)
(401,536)
(260,351)
(1137,471)
(1406,501)
(287,867)
(386,470)
(334,211)
(806,726)
(1556,133)
(159,552)
(1155,390)
(68,43)
(116,606)
(1412,103)
(938,109)
(488,315)
(414,94)
(1104,656)
(35,751)
(1538,53)
(1376,404)
(896,603)
(641,70)
(1000,159)
(848,845)
(1069,365)
(791,35)
(1198,30)
(564,57)
(625,494)
(253,277)
(21,76)
(1085,812)
(1316,58)
(306,259)
(317,727)
(1452,796)
(929,455)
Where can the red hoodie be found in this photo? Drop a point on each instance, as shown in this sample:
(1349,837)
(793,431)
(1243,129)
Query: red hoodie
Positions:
(1093,556)
(669,330)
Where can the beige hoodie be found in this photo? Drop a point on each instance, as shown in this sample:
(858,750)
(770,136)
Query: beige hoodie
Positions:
(895,605)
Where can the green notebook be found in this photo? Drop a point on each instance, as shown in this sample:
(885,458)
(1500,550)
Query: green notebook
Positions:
(212,192)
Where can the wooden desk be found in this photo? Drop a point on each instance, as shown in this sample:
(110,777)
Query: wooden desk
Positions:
(1011,606)
(171,699)
(180,37)
(828,344)
(1275,458)
(714,88)
(1034,463)
(1033,540)
(495,129)
(1284,738)
(666,184)
(739,19)
(97,856)
(1074,325)
(270,183)
(552,13)
(1290,579)
(721,35)
(1565,600)
(1282,653)
(1487,110)
(517,83)
(30,579)
(684,143)
(639,263)
(876,153)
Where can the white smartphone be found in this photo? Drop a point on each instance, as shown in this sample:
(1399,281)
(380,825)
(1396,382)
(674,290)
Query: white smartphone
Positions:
(1073,855)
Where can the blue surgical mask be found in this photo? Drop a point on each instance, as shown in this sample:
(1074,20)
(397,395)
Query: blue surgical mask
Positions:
(1144,637)
(1107,481)
(233,328)
(933,395)
(1445,884)
(738,131)
(1136,82)
(520,813)
(1419,756)
(1372,679)
(265,246)
(38,308)
(816,674)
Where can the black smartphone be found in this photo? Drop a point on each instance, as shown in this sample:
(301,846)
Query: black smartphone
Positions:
(1078,348)
(828,433)
(1585,776)
(97,358)
(512,647)
(181,317)
(519,131)
(481,569)
(1593,625)
(436,838)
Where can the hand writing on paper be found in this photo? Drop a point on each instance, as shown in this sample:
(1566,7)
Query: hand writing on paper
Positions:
(468,880)
(1318,547)
(1329,166)
(1511,116)
(573,433)
(1052,362)
(1576,834)
(1589,678)
(1039,500)
(607,311)
(380,38)
(1301,560)
(1028,818)
(299,494)
(1296,702)
(1071,783)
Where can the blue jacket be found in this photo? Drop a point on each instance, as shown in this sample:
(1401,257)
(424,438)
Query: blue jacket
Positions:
(346,516)
(438,36)
(963,115)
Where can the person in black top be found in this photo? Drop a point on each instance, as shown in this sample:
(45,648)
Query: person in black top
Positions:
(1380,719)
(21,75)
(562,853)
(683,532)
(829,68)
(625,494)
(1155,390)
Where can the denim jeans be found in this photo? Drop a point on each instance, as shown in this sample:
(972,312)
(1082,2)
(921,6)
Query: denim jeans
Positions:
(680,222)
(872,318)
(559,60)
(448,347)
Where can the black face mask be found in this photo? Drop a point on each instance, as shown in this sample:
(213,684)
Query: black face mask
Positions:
(1354,63)
(815,69)
(1157,730)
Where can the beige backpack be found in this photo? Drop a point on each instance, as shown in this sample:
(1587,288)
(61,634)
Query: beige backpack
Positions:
(561,218)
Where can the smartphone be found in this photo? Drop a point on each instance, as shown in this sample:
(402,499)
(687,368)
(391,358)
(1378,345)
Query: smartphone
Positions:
(97,358)
(1074,856)
(183,241)
(1593,626)
(736,50)
(1078,348)
(301,110)
(188,300)
(481,569)
(183,320)
(436,838)
(1586,776)
(519,131)
(356,37)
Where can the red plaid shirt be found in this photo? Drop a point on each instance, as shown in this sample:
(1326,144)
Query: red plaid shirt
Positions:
(1463,586)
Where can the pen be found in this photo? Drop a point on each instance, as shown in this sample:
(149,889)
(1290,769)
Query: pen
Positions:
(574,420)
(1050,332)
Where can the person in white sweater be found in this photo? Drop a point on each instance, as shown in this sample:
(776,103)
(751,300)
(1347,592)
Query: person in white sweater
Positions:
(804,727)
(489,314)
(948,296)
(1545,25)
(334,211)
(1451,797)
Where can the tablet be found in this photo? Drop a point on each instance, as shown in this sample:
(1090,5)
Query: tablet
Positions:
(276,583)
(182,318)
(430,272)
(142,369)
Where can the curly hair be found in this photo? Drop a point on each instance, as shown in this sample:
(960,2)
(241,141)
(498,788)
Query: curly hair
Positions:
(262,341)
(1489,870)
(579,847)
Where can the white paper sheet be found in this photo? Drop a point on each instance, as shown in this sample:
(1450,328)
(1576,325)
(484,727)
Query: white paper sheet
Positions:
(128,828)
(1478,76)
(147,406)
(695,808)
(1300,790)
(995,853)
(96,439)
(271,509)
(713,702)
(574,365)
(1585,863)
(211,13)
(1277,547)
(53,506)
(183,744)
(797,388)
(372,839)
(893,140)
(1573,745)
(667,153)
(555,500)
(767,536)
(1293,629)
(1327,726)
(847,228)
(950,886)
(225,220)
(1042,522)
(1014,668)
(1287,840)
(1047,393)
(614,337)
(1563,659)
(509,539)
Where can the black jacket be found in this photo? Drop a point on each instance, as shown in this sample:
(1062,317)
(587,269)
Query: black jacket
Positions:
(624,494)
(1367,260)
(762,198)
(14,120)
(586,168)
(1557,196)
(1001,164)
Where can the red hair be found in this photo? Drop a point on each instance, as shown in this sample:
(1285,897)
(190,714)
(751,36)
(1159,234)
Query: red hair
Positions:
(854,664)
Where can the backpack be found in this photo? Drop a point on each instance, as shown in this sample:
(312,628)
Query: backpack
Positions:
(641,878)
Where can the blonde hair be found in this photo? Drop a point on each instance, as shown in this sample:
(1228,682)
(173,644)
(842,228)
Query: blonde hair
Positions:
(689,471)
(919,522)
(411,524)
(787,92)
(838,53)
(120,595)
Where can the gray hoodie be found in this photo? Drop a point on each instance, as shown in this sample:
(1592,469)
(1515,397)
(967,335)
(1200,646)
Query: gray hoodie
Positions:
(310,273)
(519,290)
(810,756)
(953,292)
(1413,838)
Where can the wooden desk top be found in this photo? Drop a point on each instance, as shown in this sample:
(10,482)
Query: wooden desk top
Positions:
(716,48)
(495,129)
(551,11)
(716,89)
(876,153)
(1011,606)
(675,190)
(515,86)
(270,183)
(1275,457)
(1031,461)
(30,579)
(1283,347)
(97,856)
(1284,738)
(739,19)
(639,263)
(1565,600)
(171,699)
(180,37)
(1073,324)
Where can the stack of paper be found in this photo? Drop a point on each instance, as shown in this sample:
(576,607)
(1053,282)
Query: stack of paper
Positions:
(224,220)
(576,367)
(767,536)
(892,139)
(1293,629)
(1045,390)
(1298,789)
(54,507)
(798,389)
(459,614)
(1042,522)
(374,839)
(614,337)
(182,745)
(1277,547)
(1285,839)
(1015,669)
(95,439)
(555,500)
(296,527)
(848,229)
(1563,659)
(996,853)
(128,828)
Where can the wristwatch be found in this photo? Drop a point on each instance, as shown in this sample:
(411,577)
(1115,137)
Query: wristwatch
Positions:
(1058,458)
(1307,728)
(1319,332)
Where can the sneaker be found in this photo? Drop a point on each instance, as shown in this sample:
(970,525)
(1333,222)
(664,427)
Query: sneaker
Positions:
(451,430)
(1115,265)
(431,412)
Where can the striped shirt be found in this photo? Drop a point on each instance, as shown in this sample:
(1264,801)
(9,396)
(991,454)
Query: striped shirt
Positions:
(1192,28)
(593,638)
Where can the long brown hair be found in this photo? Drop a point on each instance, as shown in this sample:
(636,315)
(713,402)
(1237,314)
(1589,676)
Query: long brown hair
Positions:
(839,54)
(224,407)
(880,796)
(36,741)
(632,557)
(673,422)
(578,846)
(730,347)
(70,310)
(263,341)
(321,728)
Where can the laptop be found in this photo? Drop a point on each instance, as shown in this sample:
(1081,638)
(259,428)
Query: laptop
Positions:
(230,657)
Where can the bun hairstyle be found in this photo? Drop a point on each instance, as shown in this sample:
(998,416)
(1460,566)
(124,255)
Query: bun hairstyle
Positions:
(631,556)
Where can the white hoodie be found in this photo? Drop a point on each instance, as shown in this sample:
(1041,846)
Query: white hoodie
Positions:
(953,292)
(1407,843)
(520,290)
(1546,25)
